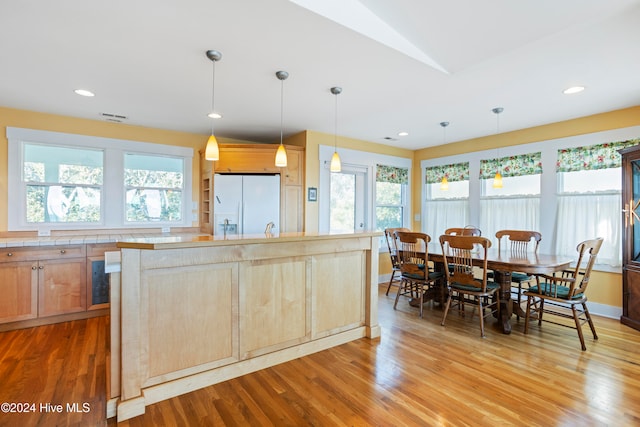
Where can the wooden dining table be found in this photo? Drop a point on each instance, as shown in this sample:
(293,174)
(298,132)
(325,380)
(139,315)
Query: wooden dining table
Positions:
(503,264)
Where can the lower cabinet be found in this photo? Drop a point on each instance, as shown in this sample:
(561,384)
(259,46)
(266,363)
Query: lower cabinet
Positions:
(18,290)
(61,286)
(40,285)
(631,297)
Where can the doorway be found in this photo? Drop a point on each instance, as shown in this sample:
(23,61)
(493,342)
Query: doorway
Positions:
(347,211)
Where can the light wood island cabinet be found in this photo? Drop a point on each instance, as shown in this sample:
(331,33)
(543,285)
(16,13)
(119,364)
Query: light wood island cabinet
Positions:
(190,312)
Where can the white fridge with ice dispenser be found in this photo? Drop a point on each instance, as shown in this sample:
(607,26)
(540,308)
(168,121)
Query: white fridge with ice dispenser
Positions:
(245,204)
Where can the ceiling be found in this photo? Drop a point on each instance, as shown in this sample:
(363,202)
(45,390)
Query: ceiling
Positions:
(405,65)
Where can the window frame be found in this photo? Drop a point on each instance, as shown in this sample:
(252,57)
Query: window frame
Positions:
(113,179)
(402,205)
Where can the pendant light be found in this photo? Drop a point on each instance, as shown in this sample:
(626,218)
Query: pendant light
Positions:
(336,165)
(281,154)
(497,180)
(444,184)
(212,151)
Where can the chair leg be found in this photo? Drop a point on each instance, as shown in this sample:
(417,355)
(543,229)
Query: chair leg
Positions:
(400,289)
(527,315)
(588,315)
(540,312)
(518,301)
(576,318)
(481,315)
(446,307)
(393,272)
(420,289)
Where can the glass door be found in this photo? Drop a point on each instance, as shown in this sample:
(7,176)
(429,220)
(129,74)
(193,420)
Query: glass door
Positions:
(347,201)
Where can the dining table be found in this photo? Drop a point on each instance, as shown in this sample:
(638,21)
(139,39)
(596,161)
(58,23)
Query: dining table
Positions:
(503,263)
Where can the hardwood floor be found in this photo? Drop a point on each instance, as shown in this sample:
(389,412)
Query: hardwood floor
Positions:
(418,373)
(61,364)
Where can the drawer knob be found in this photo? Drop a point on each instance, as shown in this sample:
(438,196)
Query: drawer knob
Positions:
(34,267)
(10,254)
(62,251)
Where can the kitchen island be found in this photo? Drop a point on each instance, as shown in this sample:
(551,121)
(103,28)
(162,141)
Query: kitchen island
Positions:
(195,310)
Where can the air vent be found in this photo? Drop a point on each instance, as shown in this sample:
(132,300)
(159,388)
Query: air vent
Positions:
(110,117)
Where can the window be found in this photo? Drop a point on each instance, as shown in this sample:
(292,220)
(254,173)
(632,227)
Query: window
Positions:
(517,204)
(62,184)
(153,188)
(391,187)
(446,206)
(67,181)
(589,199)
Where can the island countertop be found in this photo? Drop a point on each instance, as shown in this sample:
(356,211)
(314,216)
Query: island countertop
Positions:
(202,240)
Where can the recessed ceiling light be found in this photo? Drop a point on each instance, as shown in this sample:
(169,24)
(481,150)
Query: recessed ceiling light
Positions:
(215,115)
(403,133)
(84,92)
(573,89)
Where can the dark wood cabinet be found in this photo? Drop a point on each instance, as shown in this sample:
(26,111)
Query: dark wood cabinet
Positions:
(631,236)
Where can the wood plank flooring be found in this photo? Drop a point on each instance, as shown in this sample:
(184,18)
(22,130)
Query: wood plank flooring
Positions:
(419,373)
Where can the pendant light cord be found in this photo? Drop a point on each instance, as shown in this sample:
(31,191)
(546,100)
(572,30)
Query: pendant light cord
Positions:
(281,109)
(335,127)
(213,92)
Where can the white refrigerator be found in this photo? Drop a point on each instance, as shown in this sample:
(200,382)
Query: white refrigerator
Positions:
(245,204)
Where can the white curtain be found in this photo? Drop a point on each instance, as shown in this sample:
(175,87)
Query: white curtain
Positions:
(586,216)
(509,213)
(443,214)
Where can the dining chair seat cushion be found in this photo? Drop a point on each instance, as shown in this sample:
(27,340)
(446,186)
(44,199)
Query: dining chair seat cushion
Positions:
(413,271)
(419,275)
(515,277)
(470,288)
(550,289)
(520,277)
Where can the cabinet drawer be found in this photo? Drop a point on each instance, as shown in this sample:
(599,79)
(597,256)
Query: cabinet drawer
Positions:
(36,253)
(98,249)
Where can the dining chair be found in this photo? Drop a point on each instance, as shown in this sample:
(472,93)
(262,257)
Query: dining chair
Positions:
(393,254)
(468,230)
(518,243)
(554,295)
(416,278)
(466,284)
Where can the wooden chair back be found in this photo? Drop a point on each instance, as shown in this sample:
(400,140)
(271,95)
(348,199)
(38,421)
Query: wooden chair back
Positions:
(520,241)
(581,273)
(459,252)
(413,253)
(389,235)
(468,230)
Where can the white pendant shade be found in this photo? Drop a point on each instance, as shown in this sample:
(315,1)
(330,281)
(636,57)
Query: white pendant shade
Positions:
(281,157)
(336,165)
(212,152)
(497,180)
(444,184)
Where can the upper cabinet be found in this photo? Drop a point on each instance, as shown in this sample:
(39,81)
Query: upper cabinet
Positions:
(255,159)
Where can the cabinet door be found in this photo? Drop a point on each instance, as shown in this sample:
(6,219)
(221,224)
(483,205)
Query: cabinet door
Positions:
(293,172)
(62,286)
(292,209)
(18,291)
